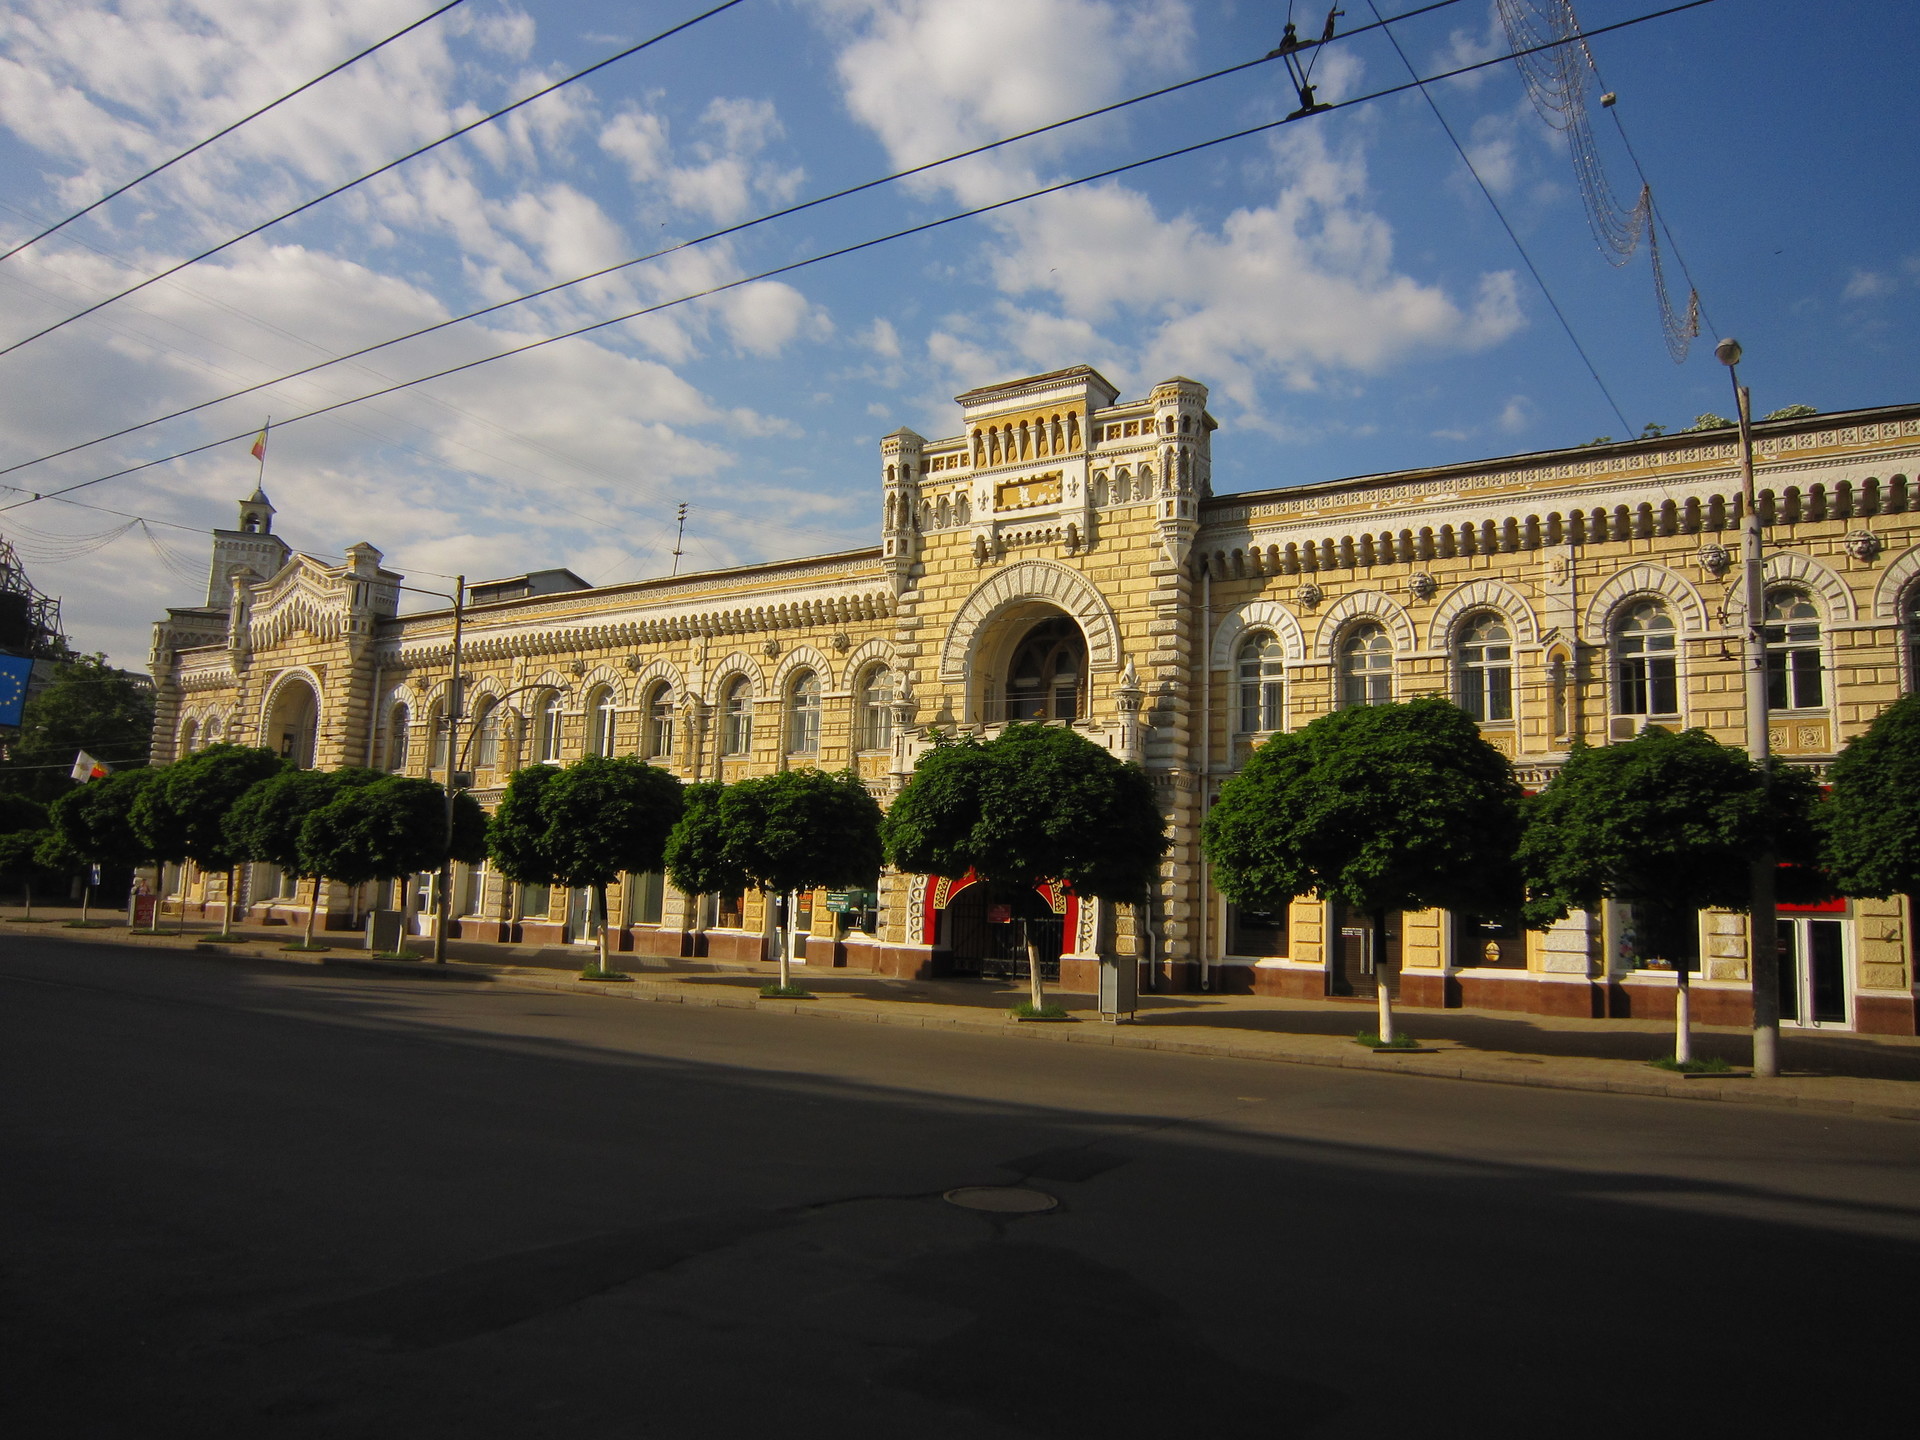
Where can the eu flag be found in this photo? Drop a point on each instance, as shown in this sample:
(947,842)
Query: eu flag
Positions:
(15,671)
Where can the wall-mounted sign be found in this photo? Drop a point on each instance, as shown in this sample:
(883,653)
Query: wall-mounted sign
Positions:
(1025,494)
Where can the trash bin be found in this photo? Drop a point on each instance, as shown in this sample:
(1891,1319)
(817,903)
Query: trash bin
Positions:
(385,930)
(1119,985)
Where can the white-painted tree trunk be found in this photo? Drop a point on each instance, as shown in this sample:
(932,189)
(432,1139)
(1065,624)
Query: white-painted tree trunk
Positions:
(786,941)
(600,922)
(1384,1000)
(1683,1020)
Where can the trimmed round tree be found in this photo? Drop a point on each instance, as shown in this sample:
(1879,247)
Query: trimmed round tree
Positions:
(394,827)
(1871,821)
(1380,807)
(1668,822)
(605,814)
(95,821)
(20,860)
(264,824)
(182,814)
(698,860)
(1036,803)
(800,830)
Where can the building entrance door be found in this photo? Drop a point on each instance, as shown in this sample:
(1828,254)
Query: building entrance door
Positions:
(1813,973)
(989,936)
(1355,969)
(580,916)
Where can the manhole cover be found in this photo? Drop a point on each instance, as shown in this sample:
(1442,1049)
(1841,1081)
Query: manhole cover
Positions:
(1001,1199)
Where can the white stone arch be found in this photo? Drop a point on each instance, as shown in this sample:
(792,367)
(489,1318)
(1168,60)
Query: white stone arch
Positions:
(1023,583)
(735,664)
(1787,567)
(1478,595)
(802,657)
(1257,615)
(1358,605)
(594,679)
(1895,584)
(1634,582)
(276,690)
(658,672)
(864,657)
(531,690)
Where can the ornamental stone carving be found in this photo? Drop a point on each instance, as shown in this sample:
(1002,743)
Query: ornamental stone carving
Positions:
(1863,545)
(1714,560)
(1422,585)
(1309,595)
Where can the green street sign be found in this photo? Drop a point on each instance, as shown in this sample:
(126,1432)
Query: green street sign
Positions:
(841,902)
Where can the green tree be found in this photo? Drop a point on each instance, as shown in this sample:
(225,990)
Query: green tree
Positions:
(697,857)
(86,705)
(799,830)
(95,821)
(1033,804)
(1670,823)
(1380,807)
(20,860)
(264,823)
(1871,822)
(389,828)
(606,814)
(20,812)
(182,814)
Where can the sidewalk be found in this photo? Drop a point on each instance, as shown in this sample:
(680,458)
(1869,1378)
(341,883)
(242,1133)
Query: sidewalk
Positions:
(1867,1075)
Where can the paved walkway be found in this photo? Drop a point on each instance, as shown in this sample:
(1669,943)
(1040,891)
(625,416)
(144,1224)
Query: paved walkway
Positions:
(1856,1074)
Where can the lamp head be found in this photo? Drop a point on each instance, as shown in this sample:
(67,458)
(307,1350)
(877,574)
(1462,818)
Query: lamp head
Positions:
(1727,352)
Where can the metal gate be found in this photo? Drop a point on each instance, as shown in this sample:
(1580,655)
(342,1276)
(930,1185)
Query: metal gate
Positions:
(989,937)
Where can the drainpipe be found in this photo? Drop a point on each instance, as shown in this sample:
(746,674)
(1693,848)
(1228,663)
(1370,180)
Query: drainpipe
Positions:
(1206,767)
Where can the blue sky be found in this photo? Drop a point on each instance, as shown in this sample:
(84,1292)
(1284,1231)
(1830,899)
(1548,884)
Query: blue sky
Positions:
(1341,283)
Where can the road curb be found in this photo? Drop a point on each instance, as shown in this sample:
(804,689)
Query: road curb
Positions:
(1752,1092)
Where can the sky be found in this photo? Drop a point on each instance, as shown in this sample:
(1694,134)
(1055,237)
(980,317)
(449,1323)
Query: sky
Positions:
(1341,283)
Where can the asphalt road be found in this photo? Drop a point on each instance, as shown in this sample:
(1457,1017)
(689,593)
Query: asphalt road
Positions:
(244,1200)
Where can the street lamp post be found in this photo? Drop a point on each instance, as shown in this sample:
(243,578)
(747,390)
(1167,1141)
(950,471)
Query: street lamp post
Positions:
(456,707)
(1763,950)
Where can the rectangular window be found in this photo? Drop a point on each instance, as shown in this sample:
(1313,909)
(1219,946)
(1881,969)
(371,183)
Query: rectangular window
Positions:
(1255,932)
(535,901)
(1480,941)
(1649,685)
(1793,680)
(646,897)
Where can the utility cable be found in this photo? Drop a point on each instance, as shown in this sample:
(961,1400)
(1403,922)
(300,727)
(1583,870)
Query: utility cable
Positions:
(371,174)
(675,248)
(1505,224)
(840,253)
(114,194)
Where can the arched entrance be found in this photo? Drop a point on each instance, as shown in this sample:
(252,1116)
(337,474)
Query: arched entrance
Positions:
(293,723)
(987,933)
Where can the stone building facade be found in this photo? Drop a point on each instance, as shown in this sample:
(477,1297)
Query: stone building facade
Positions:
(1062,557)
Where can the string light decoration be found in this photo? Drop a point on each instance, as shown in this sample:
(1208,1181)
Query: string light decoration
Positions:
(1557,80)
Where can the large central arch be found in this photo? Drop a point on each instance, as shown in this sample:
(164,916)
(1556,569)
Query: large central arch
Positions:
(1024,584)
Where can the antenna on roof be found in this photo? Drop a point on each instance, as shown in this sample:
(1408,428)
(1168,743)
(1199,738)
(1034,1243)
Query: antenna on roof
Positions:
(679,534)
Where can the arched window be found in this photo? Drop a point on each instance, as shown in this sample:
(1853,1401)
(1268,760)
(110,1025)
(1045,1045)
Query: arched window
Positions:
(738,718)
(1912,612)
(546,726)
(660,723)
(876,709)
(600,722)
(486,736)
(1793,652)
(1645,661)
(803,714)
(1486,668)
(1044,682)
(1259,672)
(189,733)
(1366,667)
(437,729)
(210,735)
(398,728)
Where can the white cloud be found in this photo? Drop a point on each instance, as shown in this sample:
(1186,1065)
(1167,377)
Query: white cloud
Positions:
(1293,289)
(728,175)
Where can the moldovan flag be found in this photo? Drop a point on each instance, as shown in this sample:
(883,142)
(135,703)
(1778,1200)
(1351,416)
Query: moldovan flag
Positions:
(85,768)
(259,451)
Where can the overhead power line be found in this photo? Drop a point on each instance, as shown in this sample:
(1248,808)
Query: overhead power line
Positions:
(678,246)
(224,131)
(1512,234)
(371,174)
(844,251)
